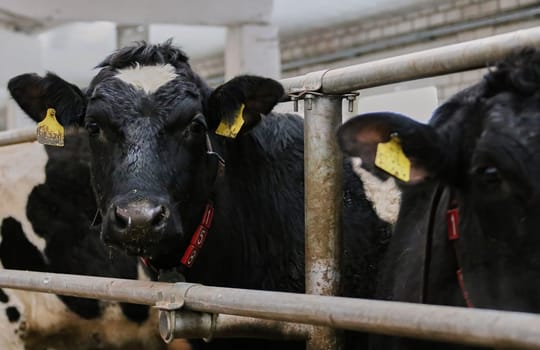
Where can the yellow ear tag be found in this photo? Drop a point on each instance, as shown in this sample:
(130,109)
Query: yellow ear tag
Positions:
(49,131)
(231,130)
(390,158)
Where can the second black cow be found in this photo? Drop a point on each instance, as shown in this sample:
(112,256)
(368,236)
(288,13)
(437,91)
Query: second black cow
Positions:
(467,233)
(176,164)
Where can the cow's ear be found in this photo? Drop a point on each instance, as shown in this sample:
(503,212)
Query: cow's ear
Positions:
(35,94)
(236,106)
(362,136)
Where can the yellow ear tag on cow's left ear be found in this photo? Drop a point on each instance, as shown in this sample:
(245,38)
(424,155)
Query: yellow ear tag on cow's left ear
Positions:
(49,131)
(231,130)
(390,158)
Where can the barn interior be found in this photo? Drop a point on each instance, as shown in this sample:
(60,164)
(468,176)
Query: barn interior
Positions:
(292,38)
(274,38)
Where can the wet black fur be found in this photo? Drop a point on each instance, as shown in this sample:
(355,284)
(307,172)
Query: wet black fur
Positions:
(486,142)
(256,239)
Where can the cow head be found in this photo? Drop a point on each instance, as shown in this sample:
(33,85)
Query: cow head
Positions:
(151,121)
(484,145)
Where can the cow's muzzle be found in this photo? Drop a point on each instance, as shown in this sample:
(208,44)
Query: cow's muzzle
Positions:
(136,223)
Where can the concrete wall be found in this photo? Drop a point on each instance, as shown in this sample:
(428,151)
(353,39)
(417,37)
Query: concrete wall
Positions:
(19,54)
(395,33)
(69,50)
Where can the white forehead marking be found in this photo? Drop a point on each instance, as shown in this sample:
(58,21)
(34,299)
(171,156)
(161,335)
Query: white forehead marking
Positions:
(148,78)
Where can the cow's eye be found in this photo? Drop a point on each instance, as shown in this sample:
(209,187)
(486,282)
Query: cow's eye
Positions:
(490,175)
(197,127)
(198,124)
(92,128)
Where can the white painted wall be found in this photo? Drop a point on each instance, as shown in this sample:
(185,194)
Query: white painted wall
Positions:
(252,49)
(73,50)
(19,54)
(418,103)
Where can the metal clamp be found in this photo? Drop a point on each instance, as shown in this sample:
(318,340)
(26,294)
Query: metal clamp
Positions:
(167,305)
(304,95)
(167,316)
(351,96)
(308,96)
(213,326)
(167,325)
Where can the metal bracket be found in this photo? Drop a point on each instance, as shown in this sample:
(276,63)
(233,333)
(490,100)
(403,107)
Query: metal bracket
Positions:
(308,96)
(171,303)
(167,316)
(167,324)
(304,95)
(167,305)
(351,96)
(312,81)
(212,328)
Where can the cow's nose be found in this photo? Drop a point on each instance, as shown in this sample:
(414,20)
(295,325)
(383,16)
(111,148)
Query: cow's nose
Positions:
(140,215)
(136,221)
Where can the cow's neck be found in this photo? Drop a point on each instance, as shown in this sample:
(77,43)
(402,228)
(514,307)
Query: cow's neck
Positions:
(246,241)
(494,274)
(501,274)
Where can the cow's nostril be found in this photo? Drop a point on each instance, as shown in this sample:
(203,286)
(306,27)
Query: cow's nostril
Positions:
(122,218)
(160,217)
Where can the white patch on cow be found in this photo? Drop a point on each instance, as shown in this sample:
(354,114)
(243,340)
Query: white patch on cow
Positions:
(384,195)
(45,315)
(11,333)
(22,168)
(141,273)
(147,78)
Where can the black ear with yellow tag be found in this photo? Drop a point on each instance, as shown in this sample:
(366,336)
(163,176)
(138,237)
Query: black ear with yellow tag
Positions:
(401,147)
(236,106)
(36,94)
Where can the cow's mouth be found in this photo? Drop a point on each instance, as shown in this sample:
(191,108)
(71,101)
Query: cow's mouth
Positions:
(156,249)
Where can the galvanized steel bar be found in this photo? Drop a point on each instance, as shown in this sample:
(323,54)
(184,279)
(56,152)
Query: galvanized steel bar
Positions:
(323,193)
(444,323)
(15,136)
(444,60)
(200,325)
(122,290)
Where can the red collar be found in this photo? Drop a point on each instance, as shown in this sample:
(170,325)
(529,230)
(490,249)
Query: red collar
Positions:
(197,240)
(452,220)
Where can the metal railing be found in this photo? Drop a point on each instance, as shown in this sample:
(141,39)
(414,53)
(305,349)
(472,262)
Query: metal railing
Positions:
(452,324)
(322,112)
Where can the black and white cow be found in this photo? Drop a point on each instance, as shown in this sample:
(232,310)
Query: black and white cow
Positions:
(46,214)
(160,170)
(467,232)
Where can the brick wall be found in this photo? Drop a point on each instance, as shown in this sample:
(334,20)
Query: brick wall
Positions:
(394,33)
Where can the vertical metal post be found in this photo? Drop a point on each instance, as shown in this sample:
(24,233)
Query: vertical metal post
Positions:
(323,193)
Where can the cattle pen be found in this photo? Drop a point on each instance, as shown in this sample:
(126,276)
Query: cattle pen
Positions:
(197,311)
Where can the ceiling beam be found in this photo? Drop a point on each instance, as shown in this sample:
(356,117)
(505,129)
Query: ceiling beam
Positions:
(189,12)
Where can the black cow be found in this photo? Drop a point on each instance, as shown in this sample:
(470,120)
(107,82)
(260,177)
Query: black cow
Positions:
(158,162)
(46,219)
(471,210)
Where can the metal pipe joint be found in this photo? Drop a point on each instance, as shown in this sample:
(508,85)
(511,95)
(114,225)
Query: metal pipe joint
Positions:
(201,325)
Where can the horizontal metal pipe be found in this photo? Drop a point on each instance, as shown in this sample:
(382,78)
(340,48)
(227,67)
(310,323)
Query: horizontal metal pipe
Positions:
(422,64)
(443,323)
(11,137)
(122,290)
(443,60)
(198,325)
